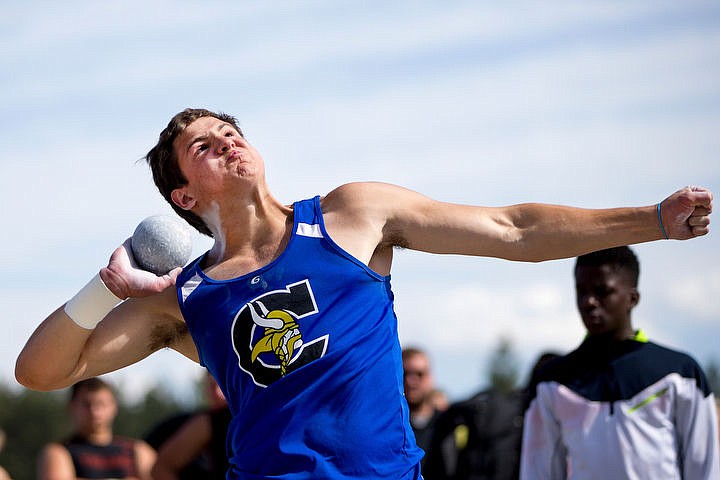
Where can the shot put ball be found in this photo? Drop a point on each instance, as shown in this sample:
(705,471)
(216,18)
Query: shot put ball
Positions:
(161,243)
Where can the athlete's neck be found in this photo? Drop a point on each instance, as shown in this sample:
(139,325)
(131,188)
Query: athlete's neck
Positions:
(246,228)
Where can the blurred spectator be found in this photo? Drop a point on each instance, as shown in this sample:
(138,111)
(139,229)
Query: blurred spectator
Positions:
(481,437)
(419,387)
(619,406)
(197,446)
(93,451)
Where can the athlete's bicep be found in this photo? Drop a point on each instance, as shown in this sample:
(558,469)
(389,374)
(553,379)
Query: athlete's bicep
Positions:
(135,329)
(368,219)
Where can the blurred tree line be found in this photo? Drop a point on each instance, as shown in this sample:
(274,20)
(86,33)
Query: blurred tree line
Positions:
(31,419)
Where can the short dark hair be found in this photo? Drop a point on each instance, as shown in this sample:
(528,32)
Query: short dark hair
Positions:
(93,384)
(618,258)
(412,351)
(164,165)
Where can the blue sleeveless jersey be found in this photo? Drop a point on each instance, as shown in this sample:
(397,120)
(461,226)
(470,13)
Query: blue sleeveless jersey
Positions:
(307,353)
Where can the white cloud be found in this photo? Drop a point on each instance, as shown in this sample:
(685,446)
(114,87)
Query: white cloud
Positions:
(696,294)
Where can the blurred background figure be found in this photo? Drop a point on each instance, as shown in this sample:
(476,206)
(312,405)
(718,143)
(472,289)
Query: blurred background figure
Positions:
(4,475)
(420,394)
(619,406)
(93,451)
(481,437)
(196,449)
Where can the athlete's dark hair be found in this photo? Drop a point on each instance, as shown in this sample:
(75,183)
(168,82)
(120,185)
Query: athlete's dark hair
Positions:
(618,258)
(91,385)
(164,165)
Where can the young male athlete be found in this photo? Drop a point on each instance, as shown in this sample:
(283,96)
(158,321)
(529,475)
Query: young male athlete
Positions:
(291,309)
(93,450)
(619,406)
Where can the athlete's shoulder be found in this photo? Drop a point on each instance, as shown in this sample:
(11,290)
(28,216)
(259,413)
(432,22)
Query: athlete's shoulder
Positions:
(354,193)
(663,360)
(683,362)
(373,199)
(677,357)
(57,455)
(358,201)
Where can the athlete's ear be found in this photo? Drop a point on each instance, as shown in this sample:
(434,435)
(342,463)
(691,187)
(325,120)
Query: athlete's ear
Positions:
(182,198)
(634,297)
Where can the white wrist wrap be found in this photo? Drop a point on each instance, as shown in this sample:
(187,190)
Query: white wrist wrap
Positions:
(91,303)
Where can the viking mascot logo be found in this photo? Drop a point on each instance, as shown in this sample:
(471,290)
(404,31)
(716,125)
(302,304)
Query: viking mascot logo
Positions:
(282,335)
(267,334)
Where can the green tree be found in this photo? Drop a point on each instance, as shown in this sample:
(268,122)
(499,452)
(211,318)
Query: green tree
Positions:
(30,419)
(504,366)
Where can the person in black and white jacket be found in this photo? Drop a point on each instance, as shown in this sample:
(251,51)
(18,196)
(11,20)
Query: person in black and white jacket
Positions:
(619,406)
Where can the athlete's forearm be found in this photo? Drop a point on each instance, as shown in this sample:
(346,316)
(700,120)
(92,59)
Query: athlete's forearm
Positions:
(547,232)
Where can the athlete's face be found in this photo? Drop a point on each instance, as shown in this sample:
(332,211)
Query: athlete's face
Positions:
(418,381)
(212,155)
(605,298)
(93,411)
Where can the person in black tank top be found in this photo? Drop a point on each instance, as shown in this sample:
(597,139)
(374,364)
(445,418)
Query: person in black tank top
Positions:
(93,450)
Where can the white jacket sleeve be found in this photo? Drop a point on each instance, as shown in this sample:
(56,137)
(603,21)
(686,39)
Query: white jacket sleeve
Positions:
(544,456)
(696,424)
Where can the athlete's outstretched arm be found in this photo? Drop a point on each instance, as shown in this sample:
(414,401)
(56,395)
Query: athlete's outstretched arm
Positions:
(527,232)
(61,352)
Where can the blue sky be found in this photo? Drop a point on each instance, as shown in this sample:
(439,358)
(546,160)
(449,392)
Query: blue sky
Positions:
(594,104)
